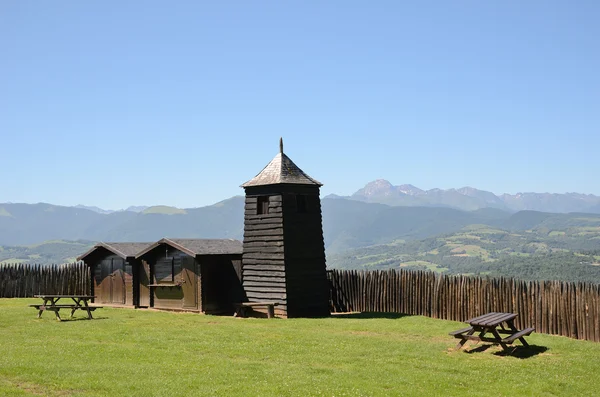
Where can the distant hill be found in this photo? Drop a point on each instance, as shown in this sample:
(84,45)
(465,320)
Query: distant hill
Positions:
(136,208)
(132,208)
(347,224)
(469,198)
(93,208)
(48,252)
(568,250)
(25,224)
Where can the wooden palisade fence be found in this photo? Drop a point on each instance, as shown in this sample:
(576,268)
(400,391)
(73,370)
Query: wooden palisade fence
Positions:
(552,307)
(27,280)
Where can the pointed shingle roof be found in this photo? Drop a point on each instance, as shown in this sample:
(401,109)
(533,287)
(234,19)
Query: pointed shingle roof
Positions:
(198,246)
(281,170)
(124,250)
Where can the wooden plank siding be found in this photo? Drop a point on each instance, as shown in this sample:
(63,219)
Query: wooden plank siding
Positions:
(306,278)
(112,279)
(283,251)
(221,286)
(263,259)
(116,274)
(144,293)
(208,283)
(167,268)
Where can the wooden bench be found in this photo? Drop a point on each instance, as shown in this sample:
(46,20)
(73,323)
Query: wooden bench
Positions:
(458,333)
(241,309)
(518,335)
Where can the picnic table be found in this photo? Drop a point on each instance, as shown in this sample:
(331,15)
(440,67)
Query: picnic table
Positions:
(495,324)
(80,302)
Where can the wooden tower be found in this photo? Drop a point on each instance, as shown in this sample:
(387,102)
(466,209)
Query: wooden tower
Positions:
(284,254)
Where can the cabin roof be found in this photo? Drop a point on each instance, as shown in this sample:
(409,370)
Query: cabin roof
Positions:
(123,250)
(195,247)
(281,170)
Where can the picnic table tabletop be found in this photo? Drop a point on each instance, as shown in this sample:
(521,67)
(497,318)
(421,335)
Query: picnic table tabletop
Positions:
(491,319)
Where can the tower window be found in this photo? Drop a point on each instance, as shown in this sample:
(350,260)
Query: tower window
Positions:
(262,205)
(301,203)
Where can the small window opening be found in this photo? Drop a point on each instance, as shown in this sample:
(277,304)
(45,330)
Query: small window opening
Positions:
(262,206)
(301,203)
(163,270)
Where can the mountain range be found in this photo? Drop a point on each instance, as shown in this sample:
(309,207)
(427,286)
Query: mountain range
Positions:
(347,224)
(132,208)
(469,199)
(466,198)
(379,213)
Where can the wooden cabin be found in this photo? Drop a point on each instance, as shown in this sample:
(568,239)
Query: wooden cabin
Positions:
(284,251)
(114,272)
(192,274)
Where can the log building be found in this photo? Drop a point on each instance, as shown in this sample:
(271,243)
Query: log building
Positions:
(177,274)
(114,272)
(191,274)
(284,253)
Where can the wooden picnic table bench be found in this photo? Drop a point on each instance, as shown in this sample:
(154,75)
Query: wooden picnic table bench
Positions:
(80,302)
(241,309)
(495,324)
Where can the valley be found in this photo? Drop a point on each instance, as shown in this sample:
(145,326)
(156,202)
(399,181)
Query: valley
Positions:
(358,233)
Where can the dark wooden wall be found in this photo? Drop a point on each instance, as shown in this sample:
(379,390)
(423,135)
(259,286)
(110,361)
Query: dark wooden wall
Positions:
(142,292)
(207,283)
(167,289)
(284,254)
(263,261)
(221,285)
(112,278)
(306,278)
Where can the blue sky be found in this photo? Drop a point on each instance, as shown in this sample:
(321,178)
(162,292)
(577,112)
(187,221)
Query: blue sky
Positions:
(113,103)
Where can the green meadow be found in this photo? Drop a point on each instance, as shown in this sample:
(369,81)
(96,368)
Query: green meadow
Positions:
(127,352)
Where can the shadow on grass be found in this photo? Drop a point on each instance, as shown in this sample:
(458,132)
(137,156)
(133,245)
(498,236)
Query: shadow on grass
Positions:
(514,351)
(391,316)
(523,352)
(478,349)
(68,320)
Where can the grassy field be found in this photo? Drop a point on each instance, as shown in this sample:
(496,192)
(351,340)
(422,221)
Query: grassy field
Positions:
(127,352)
(427,265)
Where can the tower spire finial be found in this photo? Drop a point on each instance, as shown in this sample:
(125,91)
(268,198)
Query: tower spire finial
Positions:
(281,145)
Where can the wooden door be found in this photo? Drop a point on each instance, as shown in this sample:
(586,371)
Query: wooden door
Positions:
(103,277)
(189,285)
(118,281)
(144,281)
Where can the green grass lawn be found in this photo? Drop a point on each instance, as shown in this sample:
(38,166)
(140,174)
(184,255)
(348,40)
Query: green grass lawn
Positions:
(127,352)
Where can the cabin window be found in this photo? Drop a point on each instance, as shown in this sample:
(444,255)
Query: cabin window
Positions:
(262,205)
(301,203)
(164,270)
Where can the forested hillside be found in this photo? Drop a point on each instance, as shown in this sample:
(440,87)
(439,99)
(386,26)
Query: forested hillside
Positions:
(569,251)
(45,253)
(357,235)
